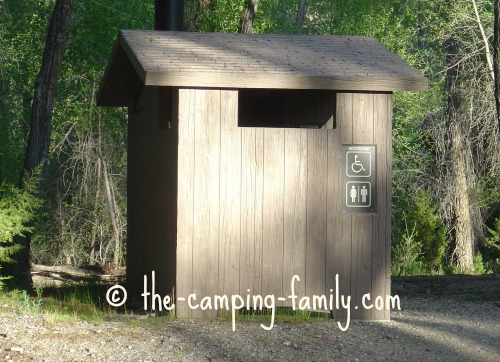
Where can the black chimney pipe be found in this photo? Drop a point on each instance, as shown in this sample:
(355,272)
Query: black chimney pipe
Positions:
(169,15)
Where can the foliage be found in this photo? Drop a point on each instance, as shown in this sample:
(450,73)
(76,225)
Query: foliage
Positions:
(479,267)
(75,210)
(221,16)
(406,255)
(490,248)
(64,304)
(29,305)
(88,147)
(22,27)
(492,242)
(88,155)
(430,232)
(17,209)
(464,134)
(422,250)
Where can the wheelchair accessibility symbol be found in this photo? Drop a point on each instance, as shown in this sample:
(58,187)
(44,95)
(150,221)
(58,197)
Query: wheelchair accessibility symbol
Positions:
(358,164)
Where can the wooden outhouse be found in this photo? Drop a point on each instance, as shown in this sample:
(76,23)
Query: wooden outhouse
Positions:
(254,158)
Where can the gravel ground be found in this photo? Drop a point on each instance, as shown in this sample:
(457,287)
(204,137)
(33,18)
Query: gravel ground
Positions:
(428,328)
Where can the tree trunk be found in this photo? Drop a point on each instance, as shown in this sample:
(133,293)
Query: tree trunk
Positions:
(463,224)
(191,14)
(460,166)
(41,113)
(112,209)
(301,14)
(246,25)
(93,238)
(41,116)
(487,52)
(496,59)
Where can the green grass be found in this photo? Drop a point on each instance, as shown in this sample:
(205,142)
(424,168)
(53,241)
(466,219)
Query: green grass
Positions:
(88,302)
(64,304)
(282,315)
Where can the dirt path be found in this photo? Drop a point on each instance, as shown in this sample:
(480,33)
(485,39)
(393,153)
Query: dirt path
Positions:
(446,319)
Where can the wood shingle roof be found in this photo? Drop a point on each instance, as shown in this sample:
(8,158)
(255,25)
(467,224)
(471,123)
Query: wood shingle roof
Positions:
(216,60)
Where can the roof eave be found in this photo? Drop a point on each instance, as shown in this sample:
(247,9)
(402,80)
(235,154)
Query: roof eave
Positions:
(238,80)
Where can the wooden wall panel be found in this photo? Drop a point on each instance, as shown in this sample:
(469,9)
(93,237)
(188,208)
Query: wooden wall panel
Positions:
(381,261)
(317,261)
(230,191)
(185,218)
(252,160)
(152,210)
(388,203)
(134,164)
(361,223)
(335,250)
(259,214)
(249,208)
(258,205)
(272,220)
(206,195)
(343,256)
(294,253)
(316,212)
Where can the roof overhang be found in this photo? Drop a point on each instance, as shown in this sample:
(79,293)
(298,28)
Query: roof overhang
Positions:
(215,60)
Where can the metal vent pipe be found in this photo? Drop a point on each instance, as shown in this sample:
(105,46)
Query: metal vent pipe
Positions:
(169,15)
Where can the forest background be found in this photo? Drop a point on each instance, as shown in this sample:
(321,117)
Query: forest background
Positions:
(446,148)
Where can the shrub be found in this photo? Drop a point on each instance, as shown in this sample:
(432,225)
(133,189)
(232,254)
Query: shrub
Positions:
(490,248)
(479,267)
(431,232)
(492,242)
(17,207)
(406,254)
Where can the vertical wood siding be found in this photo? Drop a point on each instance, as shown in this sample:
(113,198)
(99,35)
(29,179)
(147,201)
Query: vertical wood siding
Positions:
(230,195)
(361,224)
(152,195)
(185,200)
(259,205)
(272,211)
(381,255)
(295,232)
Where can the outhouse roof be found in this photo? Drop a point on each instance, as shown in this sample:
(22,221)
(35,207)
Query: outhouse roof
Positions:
(220,60)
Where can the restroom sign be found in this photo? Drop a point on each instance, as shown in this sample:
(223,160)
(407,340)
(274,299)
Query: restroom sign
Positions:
(358,164)
(359,182)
